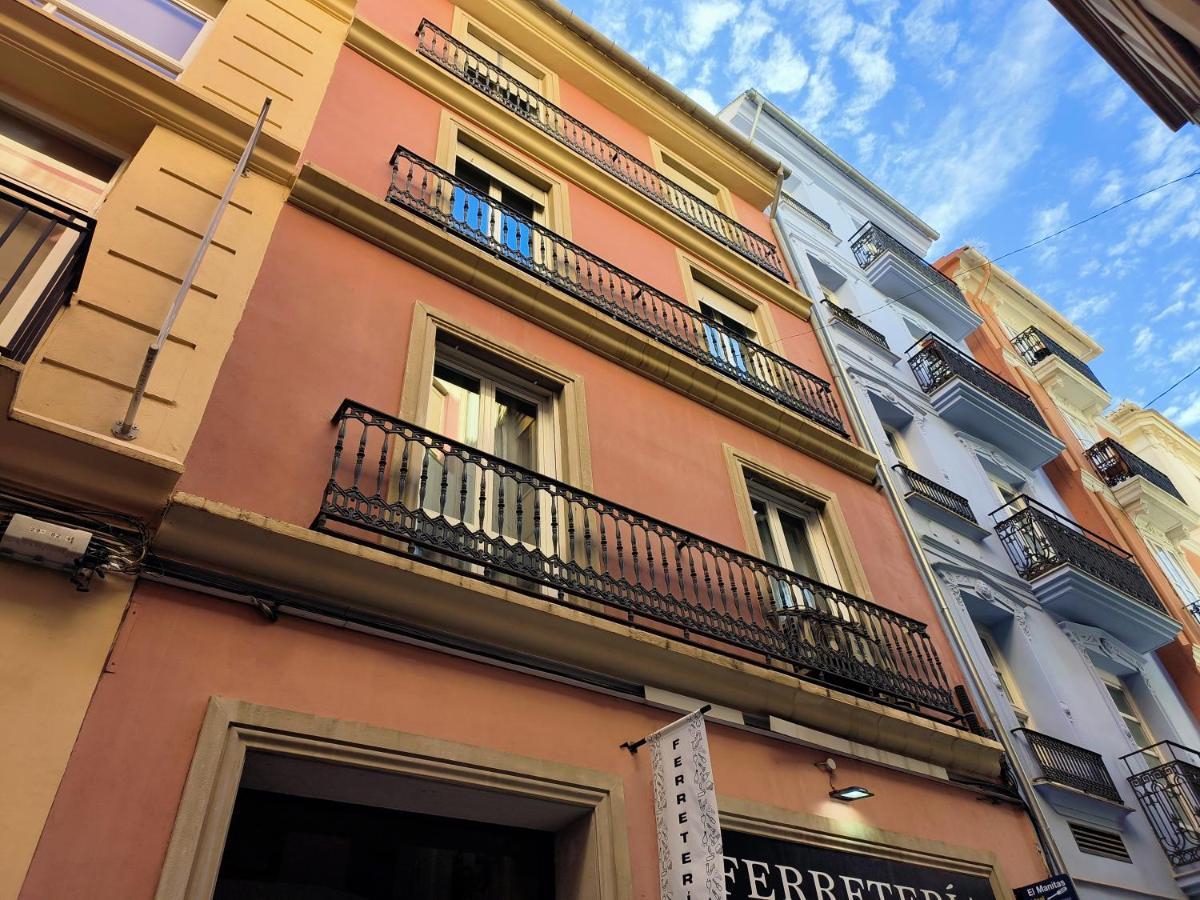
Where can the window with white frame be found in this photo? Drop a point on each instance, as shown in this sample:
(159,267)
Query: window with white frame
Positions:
(1003,673)
(792,534)
(738,326)
(507,192)
(163,34)
(1179,577)
(895,443)
(1134,721)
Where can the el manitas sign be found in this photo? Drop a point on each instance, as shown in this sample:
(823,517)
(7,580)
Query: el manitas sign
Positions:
(759,868)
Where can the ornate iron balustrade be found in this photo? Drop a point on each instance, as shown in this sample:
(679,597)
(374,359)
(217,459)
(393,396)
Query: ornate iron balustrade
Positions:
(1066,764)
(937,362)
(936,493)
(488,78)
(848,318)
(1035,346)
(870,242)
(44,244)
(1116,463)
(1038,539)
(437,195)
(1166,781)
(808,213)
(455,505)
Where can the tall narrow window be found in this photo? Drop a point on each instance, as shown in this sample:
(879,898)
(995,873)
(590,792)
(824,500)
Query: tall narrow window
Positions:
(1003,675)
(734,326)
(519,82)
(792,535)
(497,203)
(1184,585)
(691,181)
(160,33)
(895,443)
(1134,722)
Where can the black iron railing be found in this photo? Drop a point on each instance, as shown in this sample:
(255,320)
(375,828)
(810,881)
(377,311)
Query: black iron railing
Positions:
(871,242)
(808,212)
(420,186)
(1066,764)
(852,321)
(1038,540)
(491,80)
(1116,463)
(444,498)
(937,362)
(43,246)
(936,493)
(1166,781)
(1035,346)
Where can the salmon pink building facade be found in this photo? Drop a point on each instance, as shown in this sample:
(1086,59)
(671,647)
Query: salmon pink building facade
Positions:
(493,435)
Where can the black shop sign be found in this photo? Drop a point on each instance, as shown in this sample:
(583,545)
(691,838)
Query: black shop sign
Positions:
(759,868)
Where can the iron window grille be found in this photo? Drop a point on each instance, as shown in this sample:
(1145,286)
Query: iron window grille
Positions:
(871,242)
(447,200)
(1066,764)
(1116,463)
(454,505)
(936,493)
(1169,795)
(37,227)
(1039,540)
(937,362)
(1035,347)
(852,321)
(492,81)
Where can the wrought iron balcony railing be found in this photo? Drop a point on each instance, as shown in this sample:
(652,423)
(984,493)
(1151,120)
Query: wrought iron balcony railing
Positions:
(937,362)
(491,80)
(454,505)
(1065,764)
(1039,540)
(1035,346)
(1116,464)
(43,246)
(852,321)
(437,195)
(870,242)
(936,493)
(1166,781)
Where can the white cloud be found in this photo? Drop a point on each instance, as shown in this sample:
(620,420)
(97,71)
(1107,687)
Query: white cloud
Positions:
(1113,101)
(703,20)
(1176,307)
(704,98)
(1086,172)
(1144,340)
(1186,412)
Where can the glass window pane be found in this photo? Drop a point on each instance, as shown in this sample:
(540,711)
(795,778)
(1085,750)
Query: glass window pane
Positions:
(762,523)
(516,420)
(795,533)
(454,405)
(159,23)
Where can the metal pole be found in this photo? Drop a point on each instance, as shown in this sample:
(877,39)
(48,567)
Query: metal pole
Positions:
(958,642)
(125,429)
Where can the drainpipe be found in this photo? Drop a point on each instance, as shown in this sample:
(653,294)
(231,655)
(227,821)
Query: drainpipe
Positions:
(958,642)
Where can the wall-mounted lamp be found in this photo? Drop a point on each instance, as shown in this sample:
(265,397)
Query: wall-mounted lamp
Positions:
(846,794)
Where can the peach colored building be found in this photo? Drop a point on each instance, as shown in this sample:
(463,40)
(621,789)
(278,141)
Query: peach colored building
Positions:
(491,435)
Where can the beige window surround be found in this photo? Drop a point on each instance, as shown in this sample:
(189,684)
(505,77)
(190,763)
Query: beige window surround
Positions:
(458,140)
(704,284)
(592,855)
(851,575)
(691,179)
(431,327)
(512,59)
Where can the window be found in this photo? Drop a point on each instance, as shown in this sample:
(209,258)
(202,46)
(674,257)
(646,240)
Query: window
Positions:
(895,443)
(511,203)
(1177,575)
(791,534)
(1006,492)
(690,180)
(1003,675)
(523,79)
(160,33)
(1119,694)
(491,410)
(1083,432)
(737,325)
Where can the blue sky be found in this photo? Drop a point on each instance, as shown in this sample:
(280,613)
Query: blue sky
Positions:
(992,120)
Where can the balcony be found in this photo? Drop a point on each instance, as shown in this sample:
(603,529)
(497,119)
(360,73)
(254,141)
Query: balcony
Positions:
(937,502)
(492,81)
(43,246)
(1061,372)
(1074,780)
(855,324)
(1083,578)
(982,403)
(424,495)
(1142,490)
(423,188)
(899,273)
(1166,781)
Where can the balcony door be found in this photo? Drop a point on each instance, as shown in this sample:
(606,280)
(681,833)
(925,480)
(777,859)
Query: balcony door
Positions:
(493,411)
(734,328)
(1134,722)
(497,204)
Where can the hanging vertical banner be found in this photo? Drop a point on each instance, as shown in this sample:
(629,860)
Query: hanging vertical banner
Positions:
(690,859)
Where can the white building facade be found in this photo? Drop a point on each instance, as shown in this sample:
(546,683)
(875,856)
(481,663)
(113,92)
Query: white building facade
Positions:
(1059,626)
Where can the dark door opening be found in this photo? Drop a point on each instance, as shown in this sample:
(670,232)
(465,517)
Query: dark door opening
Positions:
(281,846)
